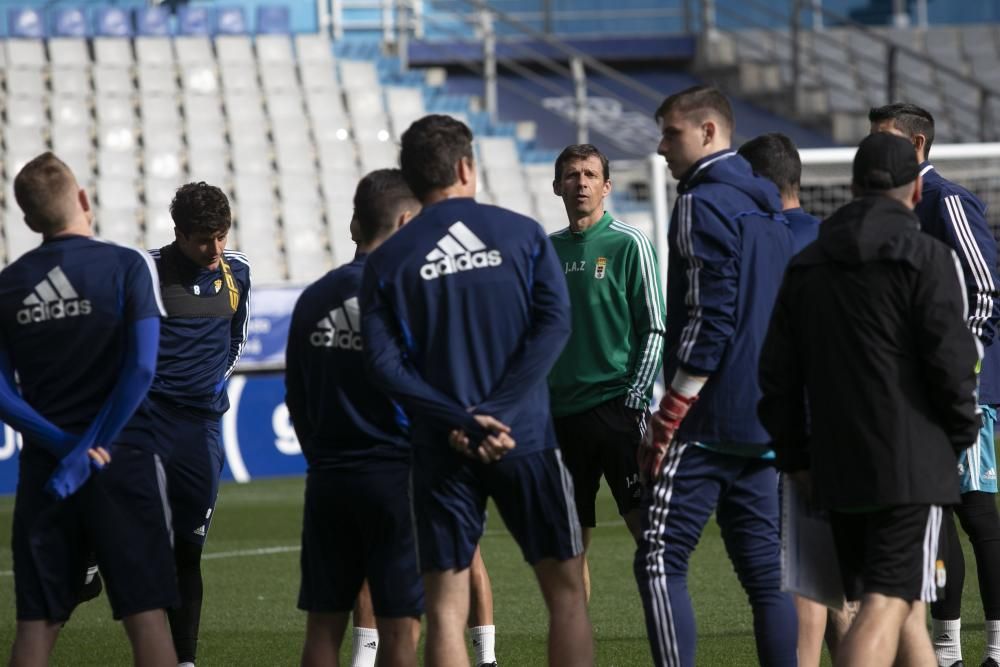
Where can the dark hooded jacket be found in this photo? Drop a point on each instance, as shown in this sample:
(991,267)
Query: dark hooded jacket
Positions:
(870,325)
(729,246)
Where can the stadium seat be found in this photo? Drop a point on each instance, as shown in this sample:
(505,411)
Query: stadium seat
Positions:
(71,83)
(25,23)
(279,78)
(153,21)
(339,156)
(82,165)
(273,19)
(68,22)
(251,160)
(116,194)
(68,110)
(118,164)
(154,51)
(24,140)
(26,112)
(159,229)
(115,110)
(319,77)
(286,106)
(117,137)
(358,76)
(314,50)
(163,160)
(119,225)
(68,52)
(26,83)
(234,50)
(18,238)
(194,50)
(274,49)
(71,139)
(155,80)
(239,77)
(112,81)
(194,20)
(27,53)
(113,22)
(230,20)
(497,152)
(209,164)
(199,78)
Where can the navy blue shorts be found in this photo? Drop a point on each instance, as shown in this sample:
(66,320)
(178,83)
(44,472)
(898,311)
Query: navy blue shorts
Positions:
(194,464)
(357,524)
(533,492)
(121,514)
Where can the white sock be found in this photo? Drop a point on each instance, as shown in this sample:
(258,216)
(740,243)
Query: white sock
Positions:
(484,639)
(992,640)
(947,638)
(186,664)
(365,647)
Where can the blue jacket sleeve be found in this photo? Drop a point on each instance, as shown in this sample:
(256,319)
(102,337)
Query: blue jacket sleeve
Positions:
(390,370)
(968,233)
(239,326)
(542,343)
(16,412)
(138,368)
(709,245)
(295,399)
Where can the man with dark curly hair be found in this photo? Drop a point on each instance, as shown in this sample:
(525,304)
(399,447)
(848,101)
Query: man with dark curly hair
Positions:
(206,294)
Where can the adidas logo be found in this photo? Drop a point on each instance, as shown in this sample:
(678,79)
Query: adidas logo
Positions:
(200,530)
(341,328)
(458,250)
(53,299)
(372,645)
(990,474)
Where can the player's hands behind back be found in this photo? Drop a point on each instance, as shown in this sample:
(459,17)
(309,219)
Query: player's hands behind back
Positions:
(493,446)
(662,426)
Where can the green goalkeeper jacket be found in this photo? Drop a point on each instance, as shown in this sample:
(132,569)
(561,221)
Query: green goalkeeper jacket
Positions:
(616,346)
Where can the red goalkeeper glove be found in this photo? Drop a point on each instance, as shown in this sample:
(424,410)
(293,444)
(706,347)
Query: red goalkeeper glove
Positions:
(662,427)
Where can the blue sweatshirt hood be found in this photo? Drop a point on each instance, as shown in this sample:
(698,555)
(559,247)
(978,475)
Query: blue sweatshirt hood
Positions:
(729,168)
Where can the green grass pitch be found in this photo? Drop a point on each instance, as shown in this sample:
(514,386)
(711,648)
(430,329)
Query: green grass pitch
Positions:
(252,579)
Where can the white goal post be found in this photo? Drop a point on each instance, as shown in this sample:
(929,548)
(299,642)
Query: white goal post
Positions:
(826,183)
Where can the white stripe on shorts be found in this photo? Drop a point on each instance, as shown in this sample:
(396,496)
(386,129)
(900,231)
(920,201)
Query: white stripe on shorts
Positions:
(574,521)
(161,484)
(932,532)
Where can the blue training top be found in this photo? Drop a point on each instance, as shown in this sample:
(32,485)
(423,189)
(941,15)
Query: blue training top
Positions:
(953,215)
(729,245)
(805,227)
(465,310)
(205,329)
(67,309)
(342,420)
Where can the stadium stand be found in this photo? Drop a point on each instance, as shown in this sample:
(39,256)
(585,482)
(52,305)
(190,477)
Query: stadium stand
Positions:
(280,121)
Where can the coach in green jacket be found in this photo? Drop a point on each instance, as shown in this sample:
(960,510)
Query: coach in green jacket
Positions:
(602,384)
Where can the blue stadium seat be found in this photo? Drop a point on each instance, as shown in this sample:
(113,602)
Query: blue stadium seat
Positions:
(153,21)
(113,22)
(25,22)
(272,19)
(196,20)
(230,21)
(69,22)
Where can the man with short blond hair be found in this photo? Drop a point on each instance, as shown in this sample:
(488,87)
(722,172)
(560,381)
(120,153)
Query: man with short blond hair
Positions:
(79,324)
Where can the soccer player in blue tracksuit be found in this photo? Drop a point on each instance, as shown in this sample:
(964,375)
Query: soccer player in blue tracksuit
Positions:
(464,312)
(707,450)
(356,522)
(954,216)
(79,323)
(774,156)
(206,293)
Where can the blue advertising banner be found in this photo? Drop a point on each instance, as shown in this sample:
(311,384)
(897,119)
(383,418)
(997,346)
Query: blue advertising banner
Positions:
(257,434)
(270,316)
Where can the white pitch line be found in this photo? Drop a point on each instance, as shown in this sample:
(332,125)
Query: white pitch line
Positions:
(292,548)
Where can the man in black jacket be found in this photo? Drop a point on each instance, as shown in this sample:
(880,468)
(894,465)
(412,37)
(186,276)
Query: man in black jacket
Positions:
(868,380)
